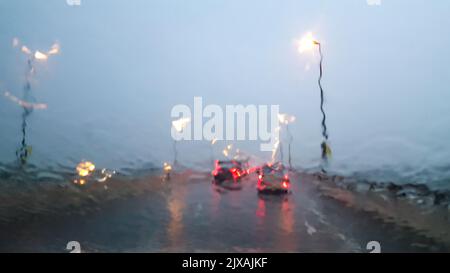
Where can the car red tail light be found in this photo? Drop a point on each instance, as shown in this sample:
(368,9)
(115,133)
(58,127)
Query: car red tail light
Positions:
(235,172)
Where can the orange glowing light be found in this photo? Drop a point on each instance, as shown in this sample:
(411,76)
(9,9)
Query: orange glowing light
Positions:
(213,141)
(167,167)
(85,168)
(307,43)
(80,182)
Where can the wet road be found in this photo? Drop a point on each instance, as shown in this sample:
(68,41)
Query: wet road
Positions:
(189,214)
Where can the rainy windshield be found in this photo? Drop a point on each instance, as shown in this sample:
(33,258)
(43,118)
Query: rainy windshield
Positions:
(113,115)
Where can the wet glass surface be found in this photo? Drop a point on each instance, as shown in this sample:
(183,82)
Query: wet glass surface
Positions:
(86,94)
(109,89)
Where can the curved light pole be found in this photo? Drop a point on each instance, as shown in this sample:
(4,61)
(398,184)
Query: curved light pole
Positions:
(27,103)
(326,151)
(308,43)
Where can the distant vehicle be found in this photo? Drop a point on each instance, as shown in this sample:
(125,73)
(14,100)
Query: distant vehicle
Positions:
(272,178)
(228,170)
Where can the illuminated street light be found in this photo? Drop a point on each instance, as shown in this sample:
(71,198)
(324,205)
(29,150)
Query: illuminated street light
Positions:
(40,56)
(167,168)
(307,43)
(179,125)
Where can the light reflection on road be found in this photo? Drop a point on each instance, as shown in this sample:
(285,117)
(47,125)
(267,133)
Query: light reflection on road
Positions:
(175,228)
(208,217)
(189,214)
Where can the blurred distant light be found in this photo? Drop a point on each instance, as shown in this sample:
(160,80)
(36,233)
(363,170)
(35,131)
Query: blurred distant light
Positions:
(167,167)
(180,124)
(105,175)
(226,152)
(85,168)
(15,42)
(25,50)
(38,55)
(25,104)
(285,118)
(54,49)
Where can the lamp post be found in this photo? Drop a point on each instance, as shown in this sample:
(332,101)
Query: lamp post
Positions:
(24,151)
(213,141)
(286,120)
(308,43)
(179,125)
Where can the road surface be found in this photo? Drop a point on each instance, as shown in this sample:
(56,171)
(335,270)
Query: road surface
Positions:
(189,214)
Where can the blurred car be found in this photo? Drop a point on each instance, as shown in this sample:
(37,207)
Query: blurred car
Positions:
(272,178)
(228,170)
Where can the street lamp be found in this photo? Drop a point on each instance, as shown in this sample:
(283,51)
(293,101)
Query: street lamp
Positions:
(307,43)
(213,141)
(179,125)
(38,56)
(285,119)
